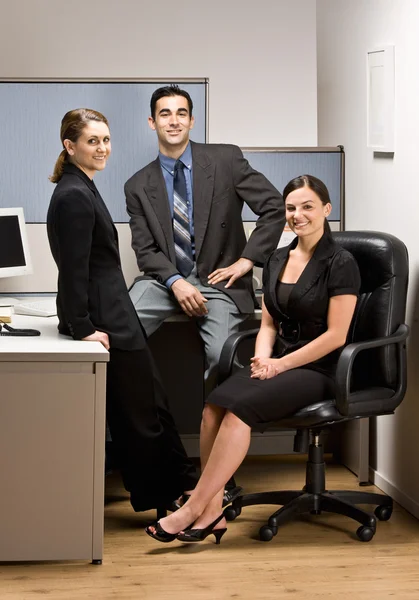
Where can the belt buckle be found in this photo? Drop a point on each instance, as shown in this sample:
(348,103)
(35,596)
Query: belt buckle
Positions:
(290,331)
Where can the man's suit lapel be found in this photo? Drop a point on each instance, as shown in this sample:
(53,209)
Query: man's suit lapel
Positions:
(203,187)
(157,194)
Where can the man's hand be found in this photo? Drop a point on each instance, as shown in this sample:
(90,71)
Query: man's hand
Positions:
(191,301)
(98,336)
(233,272)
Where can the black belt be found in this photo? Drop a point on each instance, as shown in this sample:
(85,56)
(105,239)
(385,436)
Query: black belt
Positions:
(293,331)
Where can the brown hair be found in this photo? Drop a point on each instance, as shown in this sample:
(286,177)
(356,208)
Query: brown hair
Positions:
(72,125)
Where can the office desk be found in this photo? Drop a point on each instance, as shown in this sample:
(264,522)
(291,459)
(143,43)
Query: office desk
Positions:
(52,440)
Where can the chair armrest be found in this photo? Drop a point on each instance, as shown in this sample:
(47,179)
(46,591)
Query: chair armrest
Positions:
(347,358)
(229,351)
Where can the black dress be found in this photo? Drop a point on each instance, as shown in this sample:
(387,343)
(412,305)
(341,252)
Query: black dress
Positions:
(92,295)
(300,314)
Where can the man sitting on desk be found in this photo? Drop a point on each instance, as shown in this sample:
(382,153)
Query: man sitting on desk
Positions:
(187,232)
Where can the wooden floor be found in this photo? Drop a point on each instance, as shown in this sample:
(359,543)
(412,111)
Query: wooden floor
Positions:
(318,557)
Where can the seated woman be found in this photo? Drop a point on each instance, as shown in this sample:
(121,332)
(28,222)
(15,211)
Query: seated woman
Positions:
(310,293)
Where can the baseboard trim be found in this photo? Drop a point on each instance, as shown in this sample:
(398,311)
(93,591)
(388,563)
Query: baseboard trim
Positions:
(398,496)
(270,442)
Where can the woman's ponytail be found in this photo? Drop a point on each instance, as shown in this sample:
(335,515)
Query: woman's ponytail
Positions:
(59,167)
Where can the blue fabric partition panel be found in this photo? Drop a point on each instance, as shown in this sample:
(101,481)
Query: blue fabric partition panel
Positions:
(280,165)
(30,120)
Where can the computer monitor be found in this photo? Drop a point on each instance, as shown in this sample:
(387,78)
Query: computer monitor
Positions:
(14,250)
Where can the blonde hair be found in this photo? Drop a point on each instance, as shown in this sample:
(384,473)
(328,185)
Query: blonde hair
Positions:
(72,125)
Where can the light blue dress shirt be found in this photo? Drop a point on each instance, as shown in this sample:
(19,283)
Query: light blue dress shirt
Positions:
(168,169)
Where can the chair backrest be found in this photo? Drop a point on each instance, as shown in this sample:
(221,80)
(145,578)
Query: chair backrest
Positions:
(383,263)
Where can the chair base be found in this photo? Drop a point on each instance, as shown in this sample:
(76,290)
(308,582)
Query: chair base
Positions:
(315,499)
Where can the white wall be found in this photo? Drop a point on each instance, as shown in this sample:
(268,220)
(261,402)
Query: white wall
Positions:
(262,70)
(381,193)
(261,67)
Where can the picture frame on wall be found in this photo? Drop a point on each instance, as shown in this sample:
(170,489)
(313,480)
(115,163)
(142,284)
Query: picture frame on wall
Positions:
(380,98)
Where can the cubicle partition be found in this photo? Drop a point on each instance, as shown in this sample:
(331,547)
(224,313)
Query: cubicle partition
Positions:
(280,165)
(30,118)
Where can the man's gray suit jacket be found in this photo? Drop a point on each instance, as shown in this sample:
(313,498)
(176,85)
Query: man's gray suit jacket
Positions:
(222,181)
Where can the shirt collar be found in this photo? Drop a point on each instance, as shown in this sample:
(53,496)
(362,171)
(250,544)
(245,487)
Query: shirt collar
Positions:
(168,163)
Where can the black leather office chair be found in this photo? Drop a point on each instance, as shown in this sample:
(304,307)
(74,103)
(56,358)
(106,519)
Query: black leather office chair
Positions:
(370,381)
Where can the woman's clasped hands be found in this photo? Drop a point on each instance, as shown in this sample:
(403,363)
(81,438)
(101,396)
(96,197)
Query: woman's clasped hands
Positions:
(265,368)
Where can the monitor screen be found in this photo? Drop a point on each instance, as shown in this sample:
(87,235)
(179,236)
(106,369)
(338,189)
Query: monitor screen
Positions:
(14,251)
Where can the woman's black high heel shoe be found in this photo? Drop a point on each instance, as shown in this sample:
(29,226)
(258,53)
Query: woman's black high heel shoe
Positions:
(160,534)
(198,535)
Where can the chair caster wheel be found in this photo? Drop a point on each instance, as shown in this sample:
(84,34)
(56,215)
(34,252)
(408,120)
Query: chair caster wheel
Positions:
(231,513)
(266,533)
(365,534)
(96,561)
(383,513)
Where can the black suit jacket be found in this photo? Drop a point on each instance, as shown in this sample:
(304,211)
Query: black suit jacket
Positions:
(222,181)
(331,271)
(92,294)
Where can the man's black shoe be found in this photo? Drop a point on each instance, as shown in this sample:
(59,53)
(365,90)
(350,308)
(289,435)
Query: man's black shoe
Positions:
(229,496)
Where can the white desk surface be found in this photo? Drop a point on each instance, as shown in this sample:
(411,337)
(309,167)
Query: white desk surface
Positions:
(50,346)
(53,347)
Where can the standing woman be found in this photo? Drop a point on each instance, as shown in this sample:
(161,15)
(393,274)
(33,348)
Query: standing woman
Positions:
(93,305)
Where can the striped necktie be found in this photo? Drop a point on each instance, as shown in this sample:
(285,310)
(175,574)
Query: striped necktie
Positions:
(181,227)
